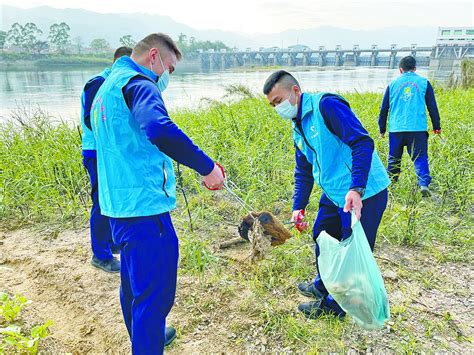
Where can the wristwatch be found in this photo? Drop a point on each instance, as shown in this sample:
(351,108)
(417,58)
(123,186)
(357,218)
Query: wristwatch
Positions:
(360,190)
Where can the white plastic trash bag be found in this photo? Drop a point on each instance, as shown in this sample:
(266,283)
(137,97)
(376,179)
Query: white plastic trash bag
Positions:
(351,275)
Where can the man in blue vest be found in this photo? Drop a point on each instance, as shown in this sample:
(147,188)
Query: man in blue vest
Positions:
(406,98)
(103,247)
(334,151)
(136,141)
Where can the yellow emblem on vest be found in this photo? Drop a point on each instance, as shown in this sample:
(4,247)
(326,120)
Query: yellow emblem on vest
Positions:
(406,93)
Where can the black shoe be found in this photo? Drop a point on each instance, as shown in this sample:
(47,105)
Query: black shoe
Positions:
(115,249)
(170,334)
(309,290)
(112,265)
(315,309)
(425,191)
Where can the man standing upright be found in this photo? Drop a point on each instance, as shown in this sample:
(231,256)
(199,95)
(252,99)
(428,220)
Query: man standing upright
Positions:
(136,140)
(335,151)
(406,98)
(103,247)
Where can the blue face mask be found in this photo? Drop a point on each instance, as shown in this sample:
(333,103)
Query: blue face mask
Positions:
(164,79)
(286,110)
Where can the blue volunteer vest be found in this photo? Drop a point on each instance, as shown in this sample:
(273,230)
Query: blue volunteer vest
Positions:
(88,140)
(407,103)
(330,157)
(135,178)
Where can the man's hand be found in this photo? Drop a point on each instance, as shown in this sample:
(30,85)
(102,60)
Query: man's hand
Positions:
(353,202)
(437,131)
(297,218)
(382,135)
(215,180)
(296,214)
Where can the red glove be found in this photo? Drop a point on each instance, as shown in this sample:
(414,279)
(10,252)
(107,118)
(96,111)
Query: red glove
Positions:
(437,131)
(298,219)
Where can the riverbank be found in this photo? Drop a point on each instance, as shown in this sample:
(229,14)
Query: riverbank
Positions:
(75,63)
(52,63)
(224,303)
(13,62)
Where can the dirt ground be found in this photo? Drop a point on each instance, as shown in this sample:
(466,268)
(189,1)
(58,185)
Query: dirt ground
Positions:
(53,270)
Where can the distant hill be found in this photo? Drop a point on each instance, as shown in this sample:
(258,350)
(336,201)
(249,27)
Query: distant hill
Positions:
(332,36)
(89,25)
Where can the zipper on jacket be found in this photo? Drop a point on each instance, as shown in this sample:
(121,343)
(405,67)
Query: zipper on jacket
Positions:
(165,179)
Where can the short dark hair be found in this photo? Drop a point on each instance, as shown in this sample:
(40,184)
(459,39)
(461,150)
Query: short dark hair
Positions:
(160,40)
(280,76)
(121,51)
(407,63)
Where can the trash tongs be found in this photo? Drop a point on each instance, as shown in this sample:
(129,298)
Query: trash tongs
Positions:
(244,204)
(249,208)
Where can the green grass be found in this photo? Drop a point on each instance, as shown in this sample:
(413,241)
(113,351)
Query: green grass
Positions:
(255,146)
(12,338)
(43,182)
(196,256)
(42,177)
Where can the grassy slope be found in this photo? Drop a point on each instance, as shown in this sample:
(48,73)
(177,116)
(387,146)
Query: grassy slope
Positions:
(43,182)
(20,63)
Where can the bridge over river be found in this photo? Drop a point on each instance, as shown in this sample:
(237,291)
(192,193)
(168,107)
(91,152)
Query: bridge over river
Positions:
(440,56)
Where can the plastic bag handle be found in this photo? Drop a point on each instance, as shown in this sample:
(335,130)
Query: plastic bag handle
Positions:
(354,219)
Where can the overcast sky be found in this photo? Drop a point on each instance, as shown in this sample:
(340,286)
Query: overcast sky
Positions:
(265,16)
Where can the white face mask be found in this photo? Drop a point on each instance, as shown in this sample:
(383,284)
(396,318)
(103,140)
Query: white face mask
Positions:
(164,79)
(286,110)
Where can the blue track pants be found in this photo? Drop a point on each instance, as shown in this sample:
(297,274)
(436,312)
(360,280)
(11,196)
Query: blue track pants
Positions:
(101,234)
(148,270)
(417,148)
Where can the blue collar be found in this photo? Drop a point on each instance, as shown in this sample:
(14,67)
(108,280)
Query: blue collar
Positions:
(300,108)
(148,73)
(306,105)
(127,61)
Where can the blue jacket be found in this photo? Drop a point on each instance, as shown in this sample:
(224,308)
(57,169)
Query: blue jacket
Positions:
(135,140)
(406,98)
(337,164)
(87,97)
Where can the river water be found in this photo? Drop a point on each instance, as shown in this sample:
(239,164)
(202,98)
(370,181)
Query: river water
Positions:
(58,92)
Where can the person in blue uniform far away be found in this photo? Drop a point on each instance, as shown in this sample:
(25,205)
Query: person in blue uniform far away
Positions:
(136,143)
(102,244)
(405,98)
(333,150)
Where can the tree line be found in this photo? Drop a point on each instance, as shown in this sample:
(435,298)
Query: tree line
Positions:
(27,38)
(191,45)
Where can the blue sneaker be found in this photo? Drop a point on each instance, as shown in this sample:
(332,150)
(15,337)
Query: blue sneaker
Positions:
(315,309)
(170,334)
(425,191)
(309,290)
(112,265)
